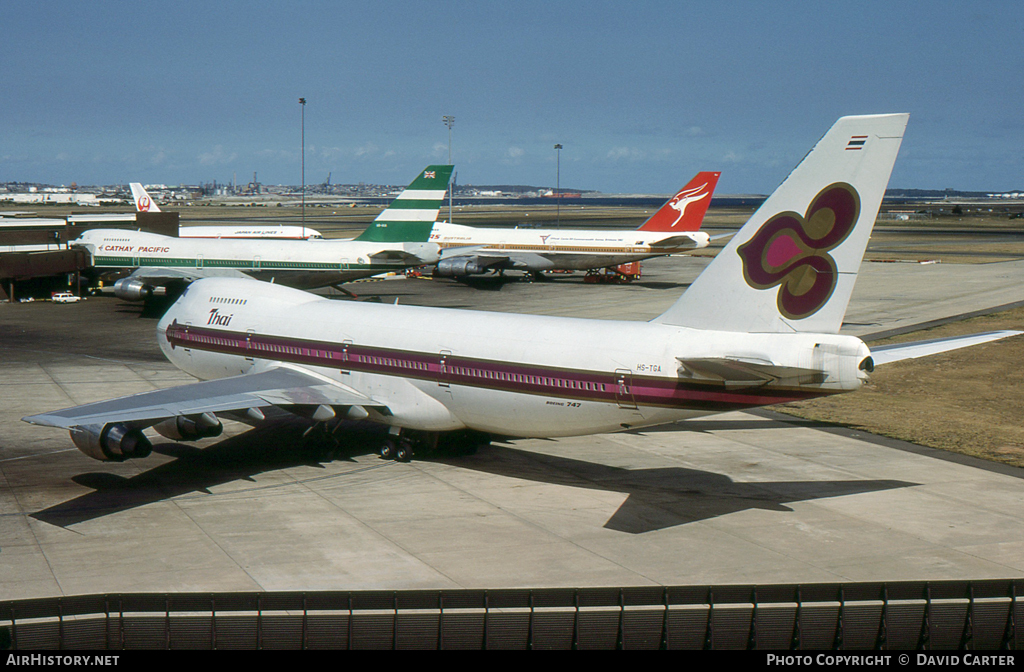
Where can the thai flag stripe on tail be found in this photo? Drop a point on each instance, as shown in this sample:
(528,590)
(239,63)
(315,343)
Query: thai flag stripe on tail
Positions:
(857,141)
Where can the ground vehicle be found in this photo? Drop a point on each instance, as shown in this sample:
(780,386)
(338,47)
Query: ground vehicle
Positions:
(64,297)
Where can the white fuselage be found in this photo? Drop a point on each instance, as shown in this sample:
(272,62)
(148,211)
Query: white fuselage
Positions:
(255,231)
(515,375)
(113,248)
(568,248)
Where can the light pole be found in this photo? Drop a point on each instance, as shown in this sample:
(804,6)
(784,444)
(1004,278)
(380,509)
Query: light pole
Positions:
(558,186)
(302,102)
(449,121)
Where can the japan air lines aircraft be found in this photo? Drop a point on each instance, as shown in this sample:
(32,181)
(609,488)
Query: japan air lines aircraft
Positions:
(394,241)
(145,203)
(759,326)
(674,228)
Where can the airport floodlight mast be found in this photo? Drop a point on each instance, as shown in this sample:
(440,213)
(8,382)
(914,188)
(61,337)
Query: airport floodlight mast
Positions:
(558,186)
(449,121)
(302,102)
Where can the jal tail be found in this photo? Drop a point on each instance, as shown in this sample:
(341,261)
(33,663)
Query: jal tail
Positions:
(685,211)
(411,216)
(792,266)
(143,201)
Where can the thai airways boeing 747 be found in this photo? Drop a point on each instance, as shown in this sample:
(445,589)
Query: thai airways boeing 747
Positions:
(759,326)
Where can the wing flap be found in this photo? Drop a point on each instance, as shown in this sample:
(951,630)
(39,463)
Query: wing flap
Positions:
(276,387)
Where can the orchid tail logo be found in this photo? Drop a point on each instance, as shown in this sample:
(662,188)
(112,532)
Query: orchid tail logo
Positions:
(792,251)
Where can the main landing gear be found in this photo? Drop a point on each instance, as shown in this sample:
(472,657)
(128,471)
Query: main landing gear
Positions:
(396,447)
(401,444)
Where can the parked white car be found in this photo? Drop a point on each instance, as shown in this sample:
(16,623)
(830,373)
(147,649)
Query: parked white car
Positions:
(65,297)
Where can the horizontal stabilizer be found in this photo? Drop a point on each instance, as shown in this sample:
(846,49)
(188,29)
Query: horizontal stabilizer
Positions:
(885,354)
(735,372)
(692,240)
(396,256)
(276,387)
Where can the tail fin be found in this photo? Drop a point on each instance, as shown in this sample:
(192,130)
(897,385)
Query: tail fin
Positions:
(411,216)
(792,266)
(143,202)
(685,211)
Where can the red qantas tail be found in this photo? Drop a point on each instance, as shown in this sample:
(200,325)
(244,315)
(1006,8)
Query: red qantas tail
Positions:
(685,211)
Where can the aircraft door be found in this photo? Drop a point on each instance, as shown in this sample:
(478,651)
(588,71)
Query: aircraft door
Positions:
(256,263)
(443,369)
(250,356)
(186,349)
(624,388)
(199,261)
(345,345)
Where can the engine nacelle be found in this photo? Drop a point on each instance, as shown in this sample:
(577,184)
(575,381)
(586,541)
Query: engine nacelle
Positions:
(190,427)
(113,442)
(458,267)
(130,289)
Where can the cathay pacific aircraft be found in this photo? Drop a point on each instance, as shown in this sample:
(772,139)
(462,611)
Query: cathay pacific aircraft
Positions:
(759,326)
(674,228)
(396,240)
(145,203)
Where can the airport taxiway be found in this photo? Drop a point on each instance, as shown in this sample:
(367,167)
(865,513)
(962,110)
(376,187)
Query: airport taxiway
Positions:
(741,497)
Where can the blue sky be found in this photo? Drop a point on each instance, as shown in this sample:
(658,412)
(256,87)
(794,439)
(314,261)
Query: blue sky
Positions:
(640,94)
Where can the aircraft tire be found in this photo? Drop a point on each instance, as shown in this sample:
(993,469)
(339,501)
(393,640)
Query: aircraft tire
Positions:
(403,453)
(387,449)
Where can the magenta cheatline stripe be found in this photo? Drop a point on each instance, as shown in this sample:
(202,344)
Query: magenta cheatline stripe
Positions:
(446,368)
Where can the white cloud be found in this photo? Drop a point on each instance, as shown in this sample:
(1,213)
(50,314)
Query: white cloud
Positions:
(217,157)
(367,149)
(625,154)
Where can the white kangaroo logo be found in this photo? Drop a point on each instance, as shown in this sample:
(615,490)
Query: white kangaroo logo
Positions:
(683,199)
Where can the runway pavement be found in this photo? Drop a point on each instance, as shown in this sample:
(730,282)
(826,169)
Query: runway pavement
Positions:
(742,497)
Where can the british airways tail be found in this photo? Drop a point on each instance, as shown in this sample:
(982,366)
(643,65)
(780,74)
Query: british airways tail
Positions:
(792,266)
(685,211)
(411,216)
(143,202)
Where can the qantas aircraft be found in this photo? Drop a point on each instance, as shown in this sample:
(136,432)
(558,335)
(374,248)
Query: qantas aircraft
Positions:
(759,326)
(394,241)
(674,228)
(145,203)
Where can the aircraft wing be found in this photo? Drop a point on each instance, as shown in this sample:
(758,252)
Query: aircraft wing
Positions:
(276,387)
(885,354)
(152,275)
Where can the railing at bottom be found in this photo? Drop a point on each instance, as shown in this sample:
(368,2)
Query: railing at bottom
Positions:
(940,615)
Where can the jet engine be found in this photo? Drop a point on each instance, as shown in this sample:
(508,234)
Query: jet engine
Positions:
(130,289)
(458,267)
(190,427)
(111,442)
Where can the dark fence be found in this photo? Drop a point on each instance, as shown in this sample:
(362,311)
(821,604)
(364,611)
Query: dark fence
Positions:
(982,615)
